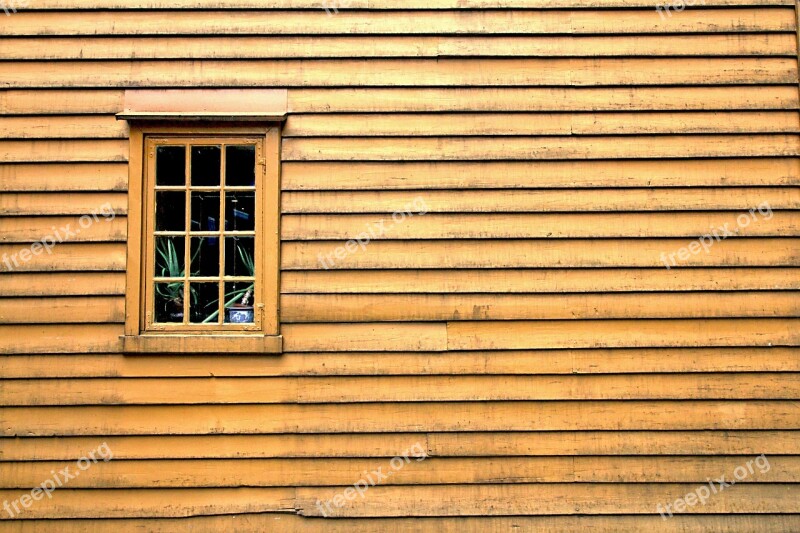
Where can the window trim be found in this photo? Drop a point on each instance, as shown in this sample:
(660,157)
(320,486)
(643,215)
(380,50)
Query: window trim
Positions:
(266,340)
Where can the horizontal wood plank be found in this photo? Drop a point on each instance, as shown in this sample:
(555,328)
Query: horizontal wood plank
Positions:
(525,148)
(767,523)
(543,499)
(401,72)
(62,310)
(404,22)
(455,307)
(328,175)
(521,124)
(538,253)
(264,47)
(416,470)
(62,284)
(409,389)
(58,338)
(619,333)
(379,4)
(32,229)
(532,201)
(508,362)
(367,228)
(536,281)
(395,417)
(388,445)
(386,100)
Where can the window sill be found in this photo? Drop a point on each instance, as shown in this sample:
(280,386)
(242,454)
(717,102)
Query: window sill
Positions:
(197,344)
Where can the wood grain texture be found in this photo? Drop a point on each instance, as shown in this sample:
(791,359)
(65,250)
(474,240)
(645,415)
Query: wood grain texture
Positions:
(524,331)
(387,445)
(453,363)
(193,391)
(397,417)
(403,72)
(768,523)
(271,46)
(317,21)
(336,176)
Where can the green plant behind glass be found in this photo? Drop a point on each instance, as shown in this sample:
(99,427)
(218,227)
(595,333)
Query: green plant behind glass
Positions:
(234,296)
(170,265)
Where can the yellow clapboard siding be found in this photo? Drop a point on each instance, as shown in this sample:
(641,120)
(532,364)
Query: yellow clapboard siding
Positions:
(520,124)
(58,101)
(386,100)
(263,47)
(153,503)
(63,257)
(766,523)
(547,334)
(446,500)
(30,229)
(404,22)
(618,333)
(543,499)
(366,337)
(416,471)
(354,100)
(444,307)
(67,127)
(87,177)
(63,151)
(537,201)
(591,361)
(308,176)
(71,203)
(191,391)
(63,310)
(379,4)
(536,281)
(57,338)
(522,226)
(403,72)
(398,417)
(539,253)
(523,148)
(62,284)
(544,443)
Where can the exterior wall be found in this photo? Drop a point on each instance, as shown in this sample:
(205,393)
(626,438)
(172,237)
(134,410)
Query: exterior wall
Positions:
(524,331)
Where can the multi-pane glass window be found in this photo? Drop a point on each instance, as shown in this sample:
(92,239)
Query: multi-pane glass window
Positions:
(202,267)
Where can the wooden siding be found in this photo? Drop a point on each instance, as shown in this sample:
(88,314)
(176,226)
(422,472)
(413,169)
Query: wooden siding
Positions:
(523,331)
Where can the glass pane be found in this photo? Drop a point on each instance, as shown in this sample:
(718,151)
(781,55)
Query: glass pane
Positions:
(239,256)
(240,211)
(205,211)
(240,165)
(169,257)
(205,257)
(169,302)
(170,165)
(170,210)
(203,307)
(239,303)
(205,166)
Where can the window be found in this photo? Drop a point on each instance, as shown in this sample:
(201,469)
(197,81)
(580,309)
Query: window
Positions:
(203,240)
